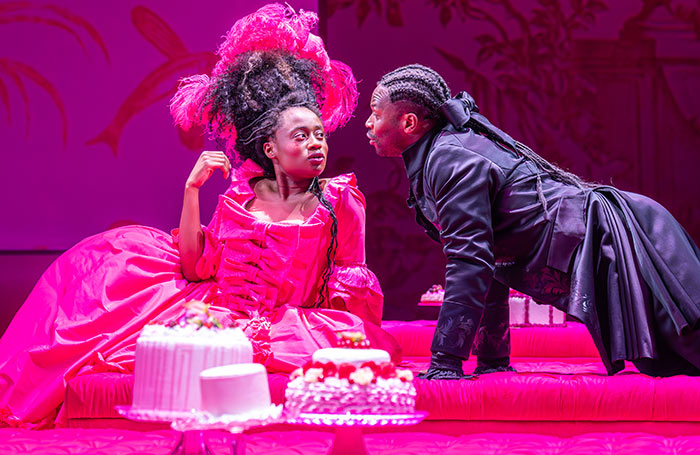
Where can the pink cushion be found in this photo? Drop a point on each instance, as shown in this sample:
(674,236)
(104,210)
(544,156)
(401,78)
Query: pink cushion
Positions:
(574,396)
(95,396)
(578,365)
(560,378)
(541,390)
(572,340)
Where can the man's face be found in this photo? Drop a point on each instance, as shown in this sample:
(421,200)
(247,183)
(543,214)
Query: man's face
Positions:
(384,125)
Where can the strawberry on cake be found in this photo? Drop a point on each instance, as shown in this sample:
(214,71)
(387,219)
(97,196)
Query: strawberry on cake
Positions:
(433,296)
(170,357)
(351,380)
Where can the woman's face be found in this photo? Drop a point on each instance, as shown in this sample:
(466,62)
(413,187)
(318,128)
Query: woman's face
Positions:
(298,146)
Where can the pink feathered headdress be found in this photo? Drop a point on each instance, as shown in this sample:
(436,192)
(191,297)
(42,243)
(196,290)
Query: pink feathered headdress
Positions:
(279,27)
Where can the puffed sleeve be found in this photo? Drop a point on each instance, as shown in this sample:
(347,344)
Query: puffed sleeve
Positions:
(352,286)
(462,184)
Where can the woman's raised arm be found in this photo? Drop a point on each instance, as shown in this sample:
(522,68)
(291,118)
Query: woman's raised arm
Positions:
(191,237)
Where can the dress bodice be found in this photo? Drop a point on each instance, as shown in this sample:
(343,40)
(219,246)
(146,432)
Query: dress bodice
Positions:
(260,265)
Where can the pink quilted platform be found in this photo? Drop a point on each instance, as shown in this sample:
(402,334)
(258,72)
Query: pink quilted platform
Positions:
(560,381)
(560,401)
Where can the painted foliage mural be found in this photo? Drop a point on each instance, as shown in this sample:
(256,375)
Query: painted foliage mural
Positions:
(86,133)
(605,89)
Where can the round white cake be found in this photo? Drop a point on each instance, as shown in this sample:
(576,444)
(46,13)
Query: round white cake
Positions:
(240,390)
(351,381)
(169,360)
(354,356)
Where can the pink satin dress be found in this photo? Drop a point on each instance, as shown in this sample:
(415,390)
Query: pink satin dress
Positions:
(86,311)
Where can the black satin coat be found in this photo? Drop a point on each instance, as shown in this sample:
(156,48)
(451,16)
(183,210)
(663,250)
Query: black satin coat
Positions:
(504,222)
(481,201)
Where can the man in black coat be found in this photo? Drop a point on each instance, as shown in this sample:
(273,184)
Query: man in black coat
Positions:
(616,261)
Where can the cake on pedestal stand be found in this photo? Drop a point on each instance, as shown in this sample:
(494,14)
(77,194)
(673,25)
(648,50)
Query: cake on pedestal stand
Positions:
(348,438)
(193,425)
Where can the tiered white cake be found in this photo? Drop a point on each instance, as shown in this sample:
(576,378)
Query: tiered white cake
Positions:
(351,381)
(170,358)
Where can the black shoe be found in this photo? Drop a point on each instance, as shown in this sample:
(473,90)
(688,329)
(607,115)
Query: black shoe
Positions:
(444,374)
(485,369)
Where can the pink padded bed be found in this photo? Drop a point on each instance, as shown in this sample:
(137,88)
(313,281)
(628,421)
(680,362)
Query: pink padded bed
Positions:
(560,380)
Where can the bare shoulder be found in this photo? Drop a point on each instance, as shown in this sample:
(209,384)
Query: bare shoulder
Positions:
(262,187)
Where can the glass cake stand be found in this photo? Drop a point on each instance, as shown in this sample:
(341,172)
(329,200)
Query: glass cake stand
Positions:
(348,439)
(192,426)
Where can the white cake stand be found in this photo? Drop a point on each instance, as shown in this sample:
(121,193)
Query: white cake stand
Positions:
(348,439)
(192,426)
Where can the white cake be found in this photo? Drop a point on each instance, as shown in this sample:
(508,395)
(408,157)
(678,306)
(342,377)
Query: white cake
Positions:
(433,296)
(169,359)
(350,381)
(353,356)
(524,311)
(240,390)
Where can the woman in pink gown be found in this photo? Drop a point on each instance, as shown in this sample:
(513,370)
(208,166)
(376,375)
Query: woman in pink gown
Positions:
(283,254)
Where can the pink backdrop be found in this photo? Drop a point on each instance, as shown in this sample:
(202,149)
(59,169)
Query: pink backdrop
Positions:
(84,122)
(607,89)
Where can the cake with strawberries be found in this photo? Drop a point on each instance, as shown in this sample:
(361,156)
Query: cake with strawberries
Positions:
(171,356)
(434,295)
(351,380)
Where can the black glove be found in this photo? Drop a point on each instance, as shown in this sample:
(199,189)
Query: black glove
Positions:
(445,366)
(496,365)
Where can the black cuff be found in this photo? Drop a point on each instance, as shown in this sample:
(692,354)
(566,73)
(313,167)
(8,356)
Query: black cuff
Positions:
(445,361)
(493,362)
(445,366)
(493,365)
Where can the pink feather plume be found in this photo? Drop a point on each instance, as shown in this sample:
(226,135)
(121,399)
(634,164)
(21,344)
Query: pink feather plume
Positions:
(186,105)
(273,26)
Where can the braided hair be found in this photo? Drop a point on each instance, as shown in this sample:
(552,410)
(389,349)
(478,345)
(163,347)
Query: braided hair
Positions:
(425,91)
(251,95)
(418,85)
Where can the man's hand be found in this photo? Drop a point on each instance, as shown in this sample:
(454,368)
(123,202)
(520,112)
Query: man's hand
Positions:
(206,164)
(445,366)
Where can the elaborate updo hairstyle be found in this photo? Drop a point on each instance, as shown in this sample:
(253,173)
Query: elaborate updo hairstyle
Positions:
(425,90)
(251,95)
